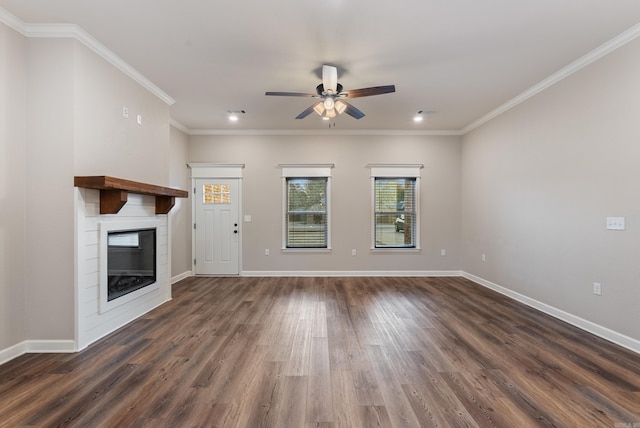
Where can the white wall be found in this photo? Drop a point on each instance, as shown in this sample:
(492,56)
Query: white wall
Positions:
(538,183)
(351,198)
(13,65)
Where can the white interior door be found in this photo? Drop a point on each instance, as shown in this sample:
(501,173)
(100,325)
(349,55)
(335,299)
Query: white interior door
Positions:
(217,226)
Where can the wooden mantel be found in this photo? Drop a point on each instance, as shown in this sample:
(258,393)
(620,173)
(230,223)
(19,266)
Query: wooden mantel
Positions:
(115,191)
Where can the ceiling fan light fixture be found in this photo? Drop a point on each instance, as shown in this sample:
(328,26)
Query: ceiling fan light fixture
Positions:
(330,93)
(329,104)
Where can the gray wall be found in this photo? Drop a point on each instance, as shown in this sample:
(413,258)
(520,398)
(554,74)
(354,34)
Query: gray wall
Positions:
(538,183)
(530,189)
(60,116)
(49,237)
(180,215)
(13,64)
(351,197)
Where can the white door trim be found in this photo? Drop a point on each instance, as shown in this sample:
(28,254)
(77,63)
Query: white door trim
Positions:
(215,170)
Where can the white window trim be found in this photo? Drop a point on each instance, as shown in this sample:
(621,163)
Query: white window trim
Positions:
(305,171)
(392,171)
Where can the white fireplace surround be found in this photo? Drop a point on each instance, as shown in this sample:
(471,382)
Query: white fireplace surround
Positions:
(107,227)
(95,317)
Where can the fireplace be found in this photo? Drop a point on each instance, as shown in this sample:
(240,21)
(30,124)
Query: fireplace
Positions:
(128,261)
(131,261)
(108,205)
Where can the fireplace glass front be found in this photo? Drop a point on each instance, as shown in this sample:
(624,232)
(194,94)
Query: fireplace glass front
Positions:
(131,261)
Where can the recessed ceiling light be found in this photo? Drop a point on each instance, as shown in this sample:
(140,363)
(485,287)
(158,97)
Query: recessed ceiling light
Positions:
(419,117)
(234,115)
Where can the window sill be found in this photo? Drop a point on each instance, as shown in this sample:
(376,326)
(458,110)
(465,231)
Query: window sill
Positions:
(395,250)
(306,250)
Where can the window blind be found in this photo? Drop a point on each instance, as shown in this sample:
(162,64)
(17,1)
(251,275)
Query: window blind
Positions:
(306,218)
(395,212)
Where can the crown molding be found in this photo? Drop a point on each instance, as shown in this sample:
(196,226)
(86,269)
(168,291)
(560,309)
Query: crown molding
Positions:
(11,21)
(591,57)
(75,32)
(322,132)
(179,126)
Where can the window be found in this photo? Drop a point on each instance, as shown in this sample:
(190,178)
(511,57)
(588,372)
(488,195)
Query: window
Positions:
(306,213)
(395,206)
(306,206)
(216,194)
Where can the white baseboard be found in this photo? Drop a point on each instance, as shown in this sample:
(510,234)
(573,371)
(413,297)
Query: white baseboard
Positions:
(37,347)
(352,273)
(66,346)
(12,352)
(591,327)
(51,346)
(181,276)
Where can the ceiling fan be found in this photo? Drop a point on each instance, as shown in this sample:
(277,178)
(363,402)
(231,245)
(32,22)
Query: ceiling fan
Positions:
(332,96)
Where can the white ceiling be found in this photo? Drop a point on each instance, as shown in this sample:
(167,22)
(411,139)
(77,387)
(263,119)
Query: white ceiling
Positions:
(460,58)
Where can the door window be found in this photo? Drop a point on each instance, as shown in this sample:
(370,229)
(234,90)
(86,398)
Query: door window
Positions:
(216,194)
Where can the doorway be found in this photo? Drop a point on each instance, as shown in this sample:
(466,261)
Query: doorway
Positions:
(216,224)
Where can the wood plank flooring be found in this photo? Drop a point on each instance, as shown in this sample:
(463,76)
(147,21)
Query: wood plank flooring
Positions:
(328,353)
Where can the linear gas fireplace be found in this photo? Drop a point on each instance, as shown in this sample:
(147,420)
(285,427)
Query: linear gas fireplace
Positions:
(131,261)
(128,261)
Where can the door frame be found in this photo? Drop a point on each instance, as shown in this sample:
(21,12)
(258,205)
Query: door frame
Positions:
(212,171)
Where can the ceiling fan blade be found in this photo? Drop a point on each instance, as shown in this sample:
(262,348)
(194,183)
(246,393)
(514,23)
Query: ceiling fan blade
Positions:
(290,94)
(352,111)
(308,111)
(367,92)
(330,78)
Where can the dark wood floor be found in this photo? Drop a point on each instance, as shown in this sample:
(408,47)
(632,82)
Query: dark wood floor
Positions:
(331,352)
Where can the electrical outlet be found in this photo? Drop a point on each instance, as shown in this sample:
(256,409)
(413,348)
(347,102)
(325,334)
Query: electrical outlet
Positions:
(266,252)
(443,252)
(353,252)
(125,112)
(597,289)
(484,258)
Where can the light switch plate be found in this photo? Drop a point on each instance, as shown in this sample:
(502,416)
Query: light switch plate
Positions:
(615,223)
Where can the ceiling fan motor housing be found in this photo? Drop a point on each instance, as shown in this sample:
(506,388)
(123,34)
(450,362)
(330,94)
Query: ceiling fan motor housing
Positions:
(320,89)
